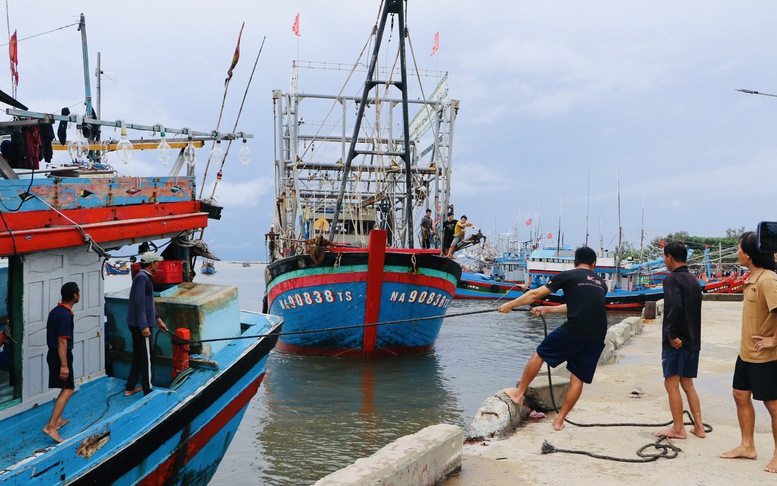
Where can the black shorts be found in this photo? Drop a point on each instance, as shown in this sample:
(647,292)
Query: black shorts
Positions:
(759,378)
(581,353)
(52,358)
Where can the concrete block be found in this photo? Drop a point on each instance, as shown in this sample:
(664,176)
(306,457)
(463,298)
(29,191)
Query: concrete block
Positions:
(560,370)
(538,395)
(496,418)
(608,352)
(421,459)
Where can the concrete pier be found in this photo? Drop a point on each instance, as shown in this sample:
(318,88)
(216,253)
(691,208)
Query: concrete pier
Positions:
(630,389)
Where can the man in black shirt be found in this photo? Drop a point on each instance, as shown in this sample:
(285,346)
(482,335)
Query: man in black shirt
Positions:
(681,340)
(426,229)
(448,227)
(580,340)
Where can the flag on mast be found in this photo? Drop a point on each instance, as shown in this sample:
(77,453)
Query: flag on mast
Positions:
(295,27)
(436,43)
(236,55)
(528,222)
(13,52)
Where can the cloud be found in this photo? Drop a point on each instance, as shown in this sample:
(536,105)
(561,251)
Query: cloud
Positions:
(247,194)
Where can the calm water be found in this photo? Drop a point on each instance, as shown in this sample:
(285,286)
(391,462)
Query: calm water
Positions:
(313,415)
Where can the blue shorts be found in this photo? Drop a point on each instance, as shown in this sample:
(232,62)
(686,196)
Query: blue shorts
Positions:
(680,362)
(758,378)
(581,353)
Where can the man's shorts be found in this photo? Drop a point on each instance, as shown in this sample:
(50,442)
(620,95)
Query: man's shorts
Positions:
(759,378)
(52,358)
(580,353)
(680,362)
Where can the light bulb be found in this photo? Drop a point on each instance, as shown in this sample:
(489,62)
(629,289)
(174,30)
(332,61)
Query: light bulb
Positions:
(82,149)
(245,153)
(216,154)
(164,149)
(189,154)
(72,150)
(124,147)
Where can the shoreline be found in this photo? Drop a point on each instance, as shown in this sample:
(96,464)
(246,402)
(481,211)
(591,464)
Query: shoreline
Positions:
(613,398)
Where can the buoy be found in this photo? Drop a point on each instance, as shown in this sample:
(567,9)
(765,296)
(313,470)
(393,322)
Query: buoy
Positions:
(181,351)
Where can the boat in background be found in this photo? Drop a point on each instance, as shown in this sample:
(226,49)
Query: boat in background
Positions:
(208,267)
(344,272)
(118,268)
(59,232)
(476,286)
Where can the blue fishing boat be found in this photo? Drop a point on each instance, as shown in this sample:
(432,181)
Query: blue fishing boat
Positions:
(119,268)
(345,274)
(62,225)
(208,267)
(484,287)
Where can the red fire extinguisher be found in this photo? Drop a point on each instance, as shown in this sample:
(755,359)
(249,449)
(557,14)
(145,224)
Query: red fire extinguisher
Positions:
(181,351)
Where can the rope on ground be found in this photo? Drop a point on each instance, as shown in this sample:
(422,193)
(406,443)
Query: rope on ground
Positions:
(666,451)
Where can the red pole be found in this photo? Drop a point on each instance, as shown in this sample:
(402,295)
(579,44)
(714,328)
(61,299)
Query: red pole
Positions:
(375,266)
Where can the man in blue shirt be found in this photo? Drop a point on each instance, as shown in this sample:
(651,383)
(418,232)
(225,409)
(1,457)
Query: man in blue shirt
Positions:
(59,338)
(141,318)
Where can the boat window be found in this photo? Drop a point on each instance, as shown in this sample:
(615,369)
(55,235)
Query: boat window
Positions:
(6,351)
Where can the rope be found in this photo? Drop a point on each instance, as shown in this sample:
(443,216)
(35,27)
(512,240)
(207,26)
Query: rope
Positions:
(666,451)
(178,340)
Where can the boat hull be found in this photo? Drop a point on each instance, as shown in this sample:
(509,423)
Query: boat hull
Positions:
(326,305)
(475,286)
(195,423)
(619,300)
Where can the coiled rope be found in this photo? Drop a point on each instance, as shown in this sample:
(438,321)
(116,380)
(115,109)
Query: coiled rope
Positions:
(663,451)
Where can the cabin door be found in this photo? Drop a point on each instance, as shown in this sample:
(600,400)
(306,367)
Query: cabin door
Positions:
(43,275)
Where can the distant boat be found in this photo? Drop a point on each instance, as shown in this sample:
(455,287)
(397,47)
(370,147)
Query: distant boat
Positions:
(246,264)
(344,260)
(119,268)
(477,286)
(208,267)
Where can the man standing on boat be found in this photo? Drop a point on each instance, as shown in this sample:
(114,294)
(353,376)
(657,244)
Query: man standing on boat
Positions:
(60,327)
(681,340)
(141,318)
(459,232)
(426,229)
(448,227)
(580,340)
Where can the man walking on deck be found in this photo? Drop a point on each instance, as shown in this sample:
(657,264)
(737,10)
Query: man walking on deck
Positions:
(580,340)
(60,328)
(426,229)
(681,340)
(448,227)
(141,318)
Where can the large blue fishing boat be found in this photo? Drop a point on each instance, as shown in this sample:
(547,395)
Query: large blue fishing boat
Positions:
(59,226)
(344,272)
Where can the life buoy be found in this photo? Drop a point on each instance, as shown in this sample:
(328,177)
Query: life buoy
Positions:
(494,288)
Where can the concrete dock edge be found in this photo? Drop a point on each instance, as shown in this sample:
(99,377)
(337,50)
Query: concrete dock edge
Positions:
(424,458)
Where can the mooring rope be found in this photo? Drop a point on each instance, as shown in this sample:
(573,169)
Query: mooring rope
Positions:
(179,340)
(666,451)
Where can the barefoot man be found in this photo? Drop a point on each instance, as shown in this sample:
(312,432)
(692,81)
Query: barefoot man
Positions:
(59,338)
(755,373)
(681,340)
(580,340)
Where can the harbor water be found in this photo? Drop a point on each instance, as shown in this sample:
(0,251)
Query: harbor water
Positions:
(315,415)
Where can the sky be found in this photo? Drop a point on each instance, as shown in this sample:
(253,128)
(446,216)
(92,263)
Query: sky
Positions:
(568,110)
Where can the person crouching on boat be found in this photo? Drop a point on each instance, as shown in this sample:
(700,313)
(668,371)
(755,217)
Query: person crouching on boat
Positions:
(580,340)
(141,318)
(459,232)
(60,327)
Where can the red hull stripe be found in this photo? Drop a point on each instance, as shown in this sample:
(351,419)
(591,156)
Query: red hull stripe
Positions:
(165,472)
(375,271)
(340,278)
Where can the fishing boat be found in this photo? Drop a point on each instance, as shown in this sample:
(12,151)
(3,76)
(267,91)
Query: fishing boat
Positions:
(208,267)
(625,291)
(61,229)
(118,268)
(476,286)
(345,274)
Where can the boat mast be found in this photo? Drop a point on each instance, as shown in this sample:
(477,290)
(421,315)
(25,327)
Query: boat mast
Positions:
(394,7)
(87,86)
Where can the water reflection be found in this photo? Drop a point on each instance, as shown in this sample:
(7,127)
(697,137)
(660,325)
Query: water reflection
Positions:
(324,413)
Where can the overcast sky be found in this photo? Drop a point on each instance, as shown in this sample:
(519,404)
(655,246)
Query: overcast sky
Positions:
(553,94)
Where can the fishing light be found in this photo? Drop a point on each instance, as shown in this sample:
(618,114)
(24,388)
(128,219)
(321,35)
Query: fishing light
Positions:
(189,153)
(245,153)
(164,155)
(124,148)
(216,154)
(82,148)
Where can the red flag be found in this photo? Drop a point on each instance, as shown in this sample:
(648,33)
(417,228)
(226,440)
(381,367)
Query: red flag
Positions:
(528,222)
(295,27)
(436,43)
(662,243)
(550,235)
(13,52)
(236,56)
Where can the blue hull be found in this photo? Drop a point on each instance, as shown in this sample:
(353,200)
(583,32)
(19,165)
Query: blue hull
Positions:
(477,286)
(110,440)
(325,305)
